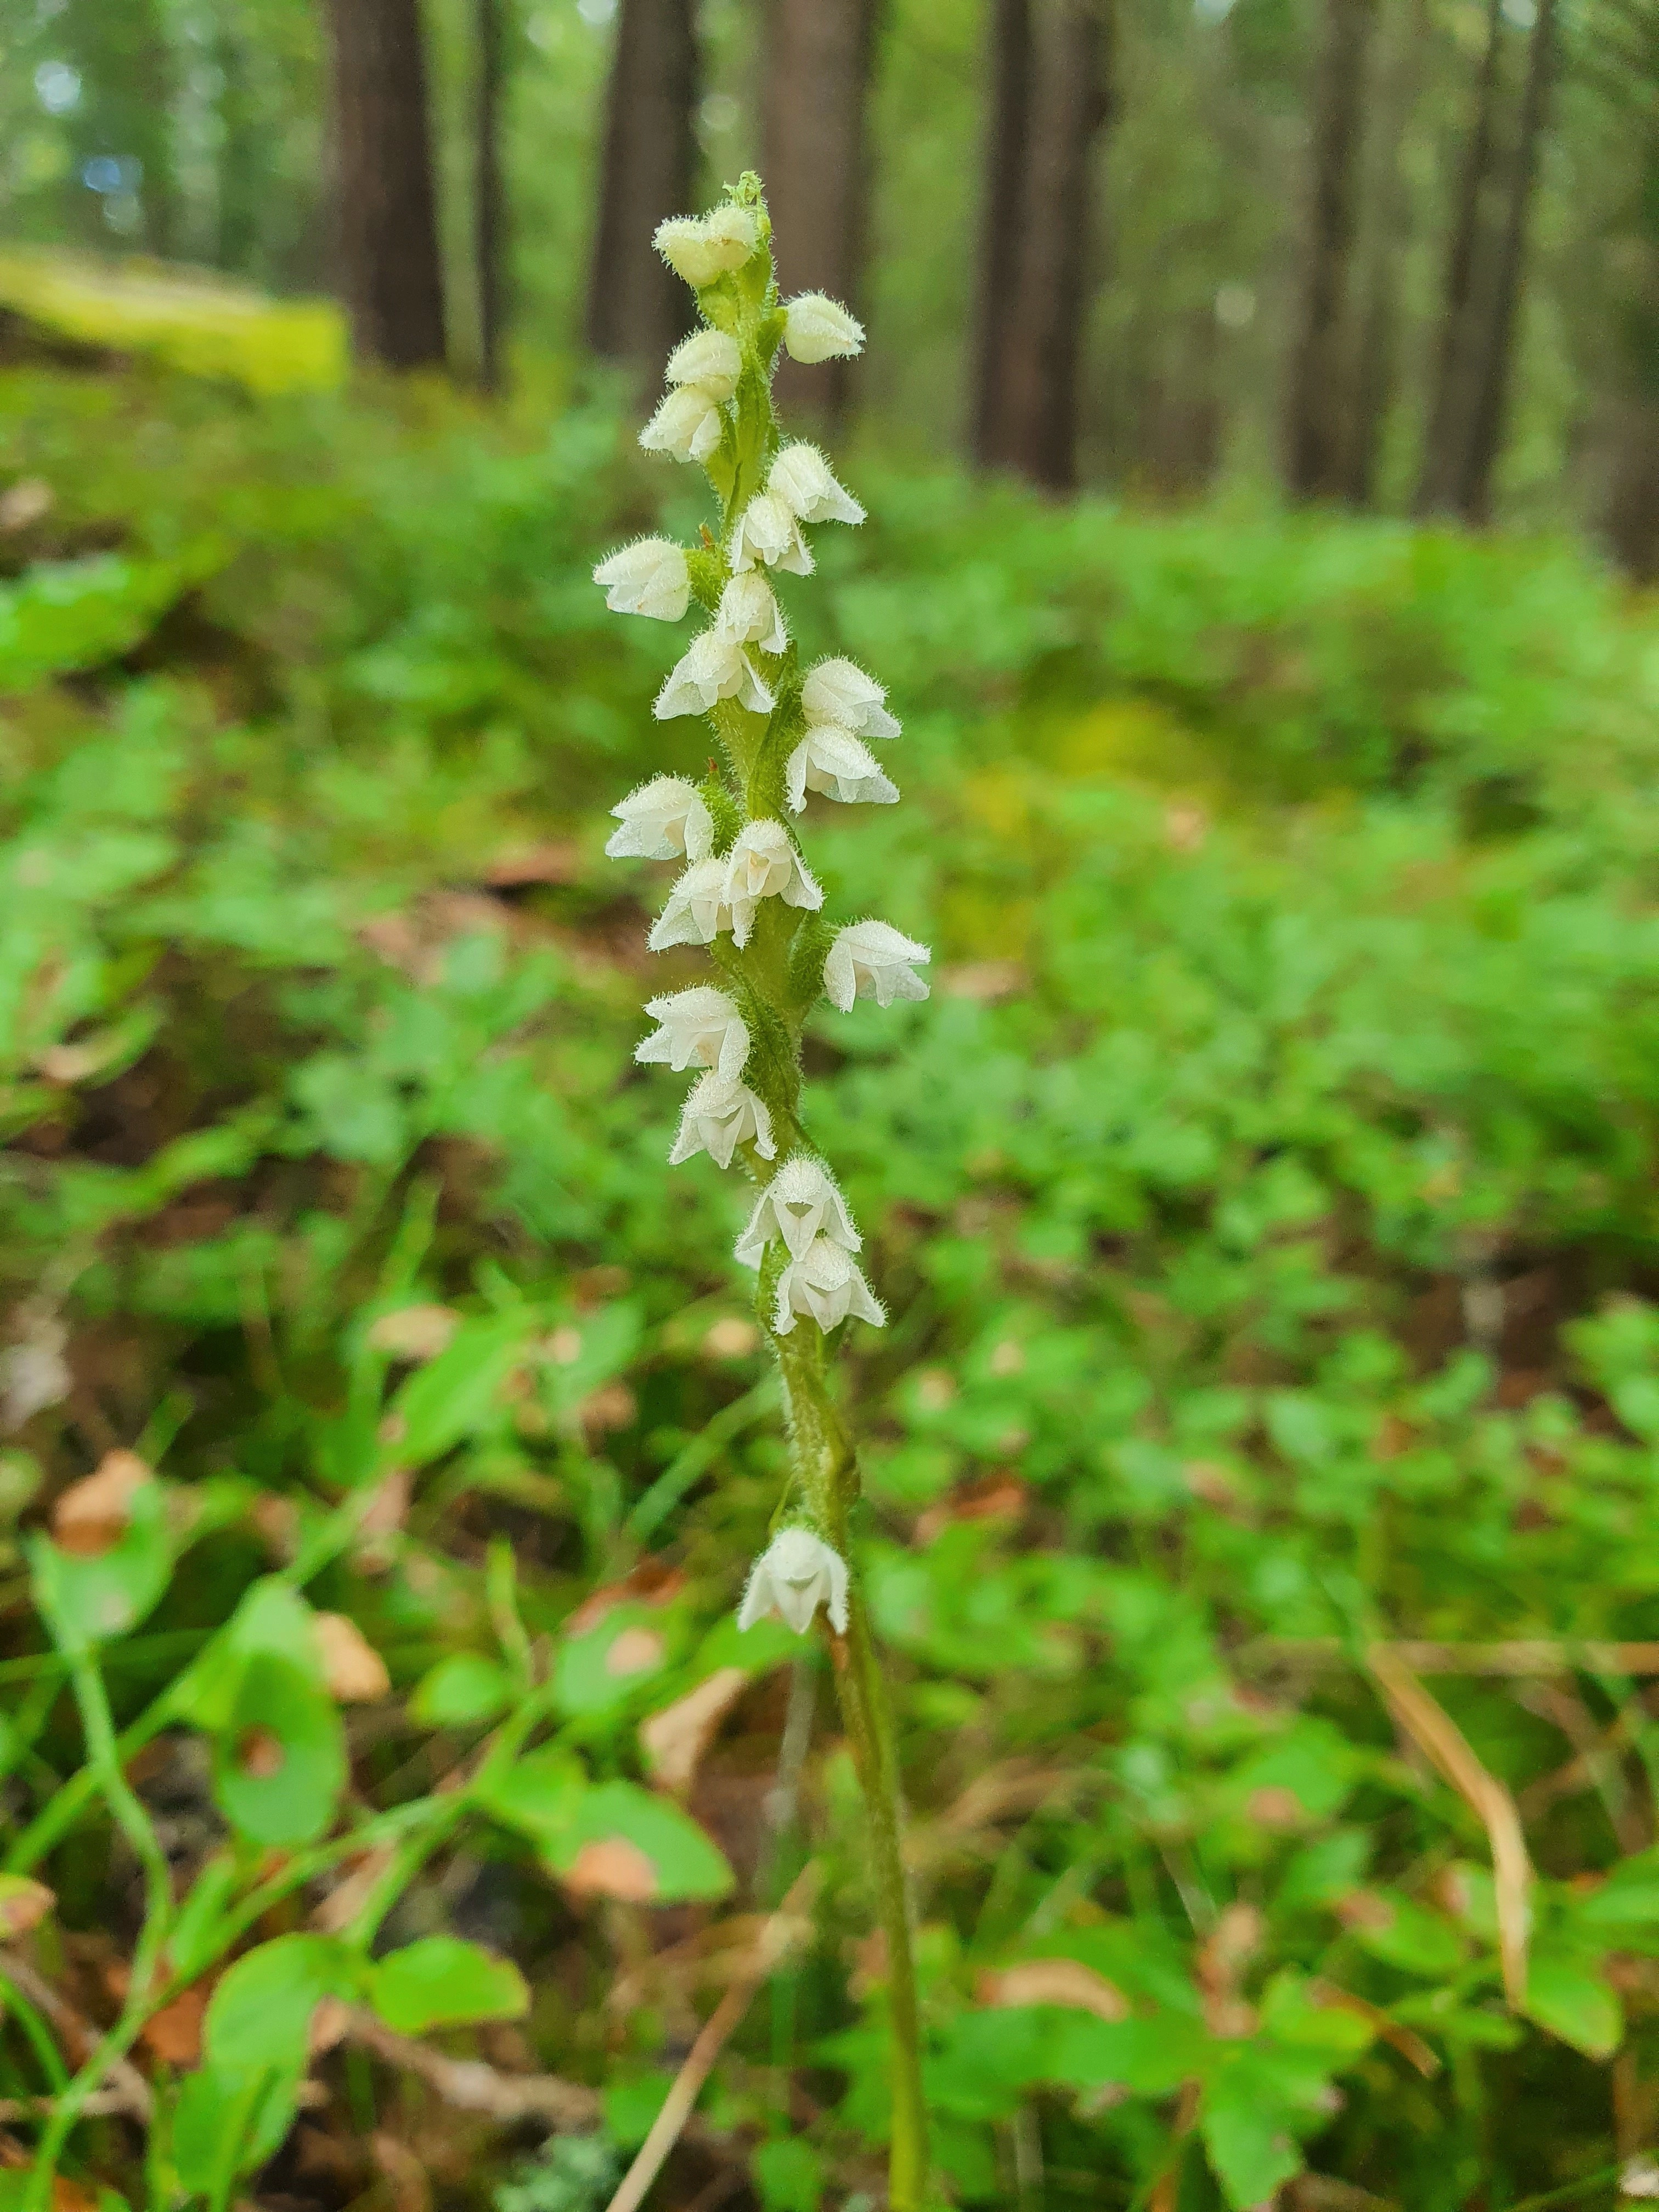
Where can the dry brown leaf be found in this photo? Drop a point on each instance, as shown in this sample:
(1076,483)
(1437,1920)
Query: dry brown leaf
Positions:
(674,1739)
(175,2034)
(635,1652)
(353,1673)
(611,1407)
(535,864)
(984,980)
(330,2023)
(25,503)
(417,1332)
(405,2176)
(71,2197)
(612,1867)
(92,1515)
(23,1905)
(654,1582)
(730,1338)
(1435,1733)
(1065,1982)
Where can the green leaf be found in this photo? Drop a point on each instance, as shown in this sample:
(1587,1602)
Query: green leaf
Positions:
(608,1665)
(456,1394)
(1417,1941)
(443,1982)
(280,1761)
(1628,1898)
(1251,2148)
(104,1596)
(1566,1996)
(631,2104)
(461,1691)
(788,2173)
(686,1865)
(540,1795)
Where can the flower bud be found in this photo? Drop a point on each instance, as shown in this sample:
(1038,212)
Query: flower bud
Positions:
(649,577)
(804,480)
(748,612)
(710,359)
(715,667)
(720,1115)
(840,691)
(764,864)
(697,908)
(818,328)
(824,1285)
(660,821)
(873,960)
(687,425)
(701,1028)
(796,1574)
(700,248)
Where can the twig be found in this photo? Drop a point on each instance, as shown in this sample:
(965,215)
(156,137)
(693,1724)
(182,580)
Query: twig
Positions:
(781,1933)
(1438,1736)
(472,2087)
(125,2081)
(1532,1655)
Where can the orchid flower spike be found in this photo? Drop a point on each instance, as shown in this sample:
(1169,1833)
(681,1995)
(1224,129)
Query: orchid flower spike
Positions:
(768,532)
(715,667)
(802,480)
(833,760)
(796,1574)
(749,611)
(839,691)
(697,908)
(702,248)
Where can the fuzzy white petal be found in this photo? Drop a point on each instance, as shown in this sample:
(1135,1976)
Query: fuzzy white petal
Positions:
(687,425)
(833,760)
(873,960)
(714,666)
(649,577)
(699,1028)
(696,910)
(720,1115)
(804,480)
(818,328)
(769,532)
(764,864)
(702,248)
(824,1285)
(840,691)
(708,359)
(802,1201)
(749,611)
(796,1574)
(663,820)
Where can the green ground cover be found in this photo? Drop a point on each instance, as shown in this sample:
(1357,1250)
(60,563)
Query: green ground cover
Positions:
(1264,1201)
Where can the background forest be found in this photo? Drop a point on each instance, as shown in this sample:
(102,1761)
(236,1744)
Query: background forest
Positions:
(1259,429)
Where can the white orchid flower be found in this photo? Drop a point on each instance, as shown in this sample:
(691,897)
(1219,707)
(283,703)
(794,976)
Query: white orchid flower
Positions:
(816,328)
(708,359)
(840,691)
(715,667)
(767,532)
(796,1574)
(764,864)
(802,1201)
(750,612)
(720,1115)
(700,248)
(661,821)
(833,760)
(804,482)
(697,908)
(699,1028)
(649,577)
(873,960)
(824,1285)
(687,424)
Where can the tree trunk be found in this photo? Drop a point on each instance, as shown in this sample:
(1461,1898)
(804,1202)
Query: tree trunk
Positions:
(1452,414)
(390,270)
(637,308)
(1377,365)
(818,55)
(1321,375)
(488,203)
(1049,104)
(1497,353)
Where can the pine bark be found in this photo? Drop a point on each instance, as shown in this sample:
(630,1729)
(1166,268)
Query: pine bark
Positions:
(1497,354)
(815,99)
(1319,426)
(1377,367)
(1049,103)
(1446,445)
(390,270)
(637,308)
(489,197)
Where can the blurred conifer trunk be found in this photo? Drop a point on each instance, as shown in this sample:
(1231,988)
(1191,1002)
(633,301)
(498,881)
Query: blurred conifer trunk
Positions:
(1452,411)
(390,271)
(1050,102)
(1388,231)
(1319,426)
(488,198)
(818,56)
(1497,354)
(637,308)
